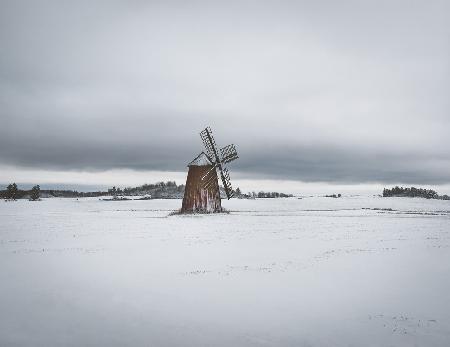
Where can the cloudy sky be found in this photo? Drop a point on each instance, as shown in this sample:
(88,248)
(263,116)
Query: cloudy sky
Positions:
(344,92)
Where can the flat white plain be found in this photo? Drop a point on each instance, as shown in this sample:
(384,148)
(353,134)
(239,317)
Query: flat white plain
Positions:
(355,271)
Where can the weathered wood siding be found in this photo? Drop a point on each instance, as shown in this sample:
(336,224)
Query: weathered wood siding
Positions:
(197,198)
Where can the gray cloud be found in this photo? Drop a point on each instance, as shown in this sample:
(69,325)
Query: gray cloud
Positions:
(323,91)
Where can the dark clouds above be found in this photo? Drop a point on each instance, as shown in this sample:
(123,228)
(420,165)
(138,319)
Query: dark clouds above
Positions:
(313,91)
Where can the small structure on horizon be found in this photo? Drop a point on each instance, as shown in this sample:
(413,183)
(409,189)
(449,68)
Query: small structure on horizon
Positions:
(202,191)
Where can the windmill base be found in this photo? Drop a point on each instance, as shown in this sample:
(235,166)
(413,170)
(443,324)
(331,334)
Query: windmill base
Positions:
(191,212)
(198,197)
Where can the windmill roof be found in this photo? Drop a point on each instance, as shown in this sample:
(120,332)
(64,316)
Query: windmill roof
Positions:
(201,160)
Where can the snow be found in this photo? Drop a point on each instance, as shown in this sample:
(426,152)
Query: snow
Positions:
(274,272)
(201,160)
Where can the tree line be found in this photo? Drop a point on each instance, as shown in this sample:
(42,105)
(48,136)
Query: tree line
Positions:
(238,194)
(157,190)
(167,189)
(273,195)
(13,193)
(413,192)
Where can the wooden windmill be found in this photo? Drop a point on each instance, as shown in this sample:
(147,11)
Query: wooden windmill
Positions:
(202,192)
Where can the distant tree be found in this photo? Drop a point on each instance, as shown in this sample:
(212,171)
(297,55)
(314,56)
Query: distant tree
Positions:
(12,191)
(9,191)
(238,192)
(113,191)
(35,193)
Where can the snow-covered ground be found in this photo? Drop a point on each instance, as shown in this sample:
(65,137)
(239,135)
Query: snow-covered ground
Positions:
(281,272)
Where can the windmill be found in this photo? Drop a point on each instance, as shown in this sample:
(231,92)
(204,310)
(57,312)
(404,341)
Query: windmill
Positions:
(202,192)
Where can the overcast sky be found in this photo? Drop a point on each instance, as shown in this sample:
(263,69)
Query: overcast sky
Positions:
(330,91)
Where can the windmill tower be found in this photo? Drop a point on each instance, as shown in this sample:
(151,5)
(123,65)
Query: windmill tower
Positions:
(202,192)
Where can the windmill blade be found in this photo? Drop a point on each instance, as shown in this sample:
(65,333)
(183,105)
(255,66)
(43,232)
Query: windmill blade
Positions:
(210,144)
(209,182)
(228,154)
(209,178)
(225,176)
(208,174)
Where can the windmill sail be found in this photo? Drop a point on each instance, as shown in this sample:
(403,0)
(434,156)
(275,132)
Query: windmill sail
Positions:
(218,158)
(225,176)
(228,154)
(209,143)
